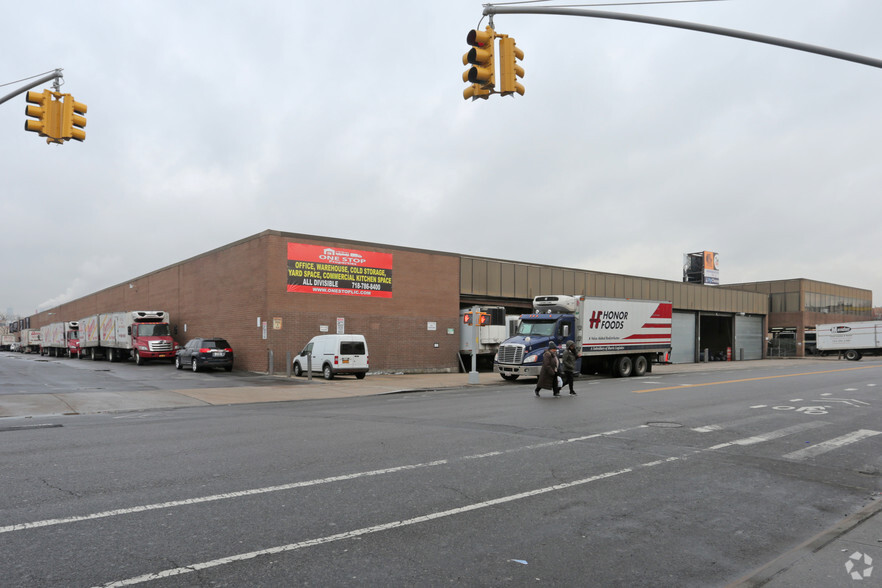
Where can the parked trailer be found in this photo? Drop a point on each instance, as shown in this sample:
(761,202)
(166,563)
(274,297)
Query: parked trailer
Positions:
(621,337)
(30,341)
(853,340)
(8,342)
(60,339)
(140,334)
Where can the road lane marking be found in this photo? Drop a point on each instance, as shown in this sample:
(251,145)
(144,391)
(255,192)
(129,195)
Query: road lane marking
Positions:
(816,450)
(294,485)
(681,386)
(770,436)
(171,572)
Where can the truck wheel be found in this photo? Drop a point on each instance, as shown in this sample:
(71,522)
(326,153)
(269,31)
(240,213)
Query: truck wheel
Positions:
(640,365)
(327,372)
(138,360)
(360,375)
(93,355)
(622,367)
(509,377)
(110,356)
(298,371)
(853,355)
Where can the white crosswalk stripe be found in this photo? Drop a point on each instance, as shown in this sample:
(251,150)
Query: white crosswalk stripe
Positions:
(832,444)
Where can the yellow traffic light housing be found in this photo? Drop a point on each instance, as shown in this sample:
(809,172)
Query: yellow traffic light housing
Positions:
(482,74)
(47,112)
(73,121)
(483,319)
(509,69)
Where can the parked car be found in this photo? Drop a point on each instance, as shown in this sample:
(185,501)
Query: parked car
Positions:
(334,354)
(205,352)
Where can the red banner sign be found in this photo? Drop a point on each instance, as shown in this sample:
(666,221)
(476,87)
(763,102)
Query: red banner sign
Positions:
(334,270)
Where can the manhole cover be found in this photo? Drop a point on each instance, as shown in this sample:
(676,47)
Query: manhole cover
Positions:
(664,425)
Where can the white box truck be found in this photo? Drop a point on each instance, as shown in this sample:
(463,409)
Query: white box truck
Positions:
(619,336)
(60,339)
(140,334)
(853,340)
(8,341)
(30,341)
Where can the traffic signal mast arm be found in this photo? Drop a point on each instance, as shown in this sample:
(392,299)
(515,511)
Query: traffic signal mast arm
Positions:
(490,10)
(55,75)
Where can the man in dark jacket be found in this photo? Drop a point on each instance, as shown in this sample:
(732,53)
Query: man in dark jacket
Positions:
(548,373)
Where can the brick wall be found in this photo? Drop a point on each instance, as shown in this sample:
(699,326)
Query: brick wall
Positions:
(223,292)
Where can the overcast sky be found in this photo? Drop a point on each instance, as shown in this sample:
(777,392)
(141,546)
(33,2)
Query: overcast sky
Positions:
(210,121)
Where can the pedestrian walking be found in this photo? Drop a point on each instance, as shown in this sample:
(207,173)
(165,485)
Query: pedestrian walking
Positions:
(548,373)
(568,366)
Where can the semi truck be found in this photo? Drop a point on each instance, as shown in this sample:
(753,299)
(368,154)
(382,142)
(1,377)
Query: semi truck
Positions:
(60,339)
(29,341)
(138,334)
(619,336)
(853,340)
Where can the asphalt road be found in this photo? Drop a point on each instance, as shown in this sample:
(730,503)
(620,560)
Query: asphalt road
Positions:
(689,479)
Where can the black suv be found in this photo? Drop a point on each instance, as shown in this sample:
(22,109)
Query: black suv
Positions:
(208,352)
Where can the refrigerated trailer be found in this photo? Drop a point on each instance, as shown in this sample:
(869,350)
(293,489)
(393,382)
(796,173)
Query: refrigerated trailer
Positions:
(60,339)
(853,340)
(138,334)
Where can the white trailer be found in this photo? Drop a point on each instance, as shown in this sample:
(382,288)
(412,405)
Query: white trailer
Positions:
(139,334)
(30,341)
(7,341)
(59,339)
(853,340)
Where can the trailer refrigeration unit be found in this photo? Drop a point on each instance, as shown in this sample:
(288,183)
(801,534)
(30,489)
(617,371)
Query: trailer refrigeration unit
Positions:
(853,340)
(60,339)
(140,334)
(622,337)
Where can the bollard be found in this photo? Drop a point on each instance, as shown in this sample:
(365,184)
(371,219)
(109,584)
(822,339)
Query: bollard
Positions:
(272,370)
(741,354)
(288,364)
(309,366)
(706,355)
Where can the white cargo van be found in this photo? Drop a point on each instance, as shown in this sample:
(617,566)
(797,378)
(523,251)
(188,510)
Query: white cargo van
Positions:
(334,354)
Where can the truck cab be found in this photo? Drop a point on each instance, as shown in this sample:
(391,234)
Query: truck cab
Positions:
(521,355)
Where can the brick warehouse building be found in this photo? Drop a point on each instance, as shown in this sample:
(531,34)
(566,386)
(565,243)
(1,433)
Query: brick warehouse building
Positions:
(273,291)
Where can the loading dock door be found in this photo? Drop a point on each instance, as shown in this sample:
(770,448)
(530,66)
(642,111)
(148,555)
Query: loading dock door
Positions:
(749,337)
(683,337)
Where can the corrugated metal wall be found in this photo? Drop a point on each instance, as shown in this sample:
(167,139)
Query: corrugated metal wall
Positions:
(495,279)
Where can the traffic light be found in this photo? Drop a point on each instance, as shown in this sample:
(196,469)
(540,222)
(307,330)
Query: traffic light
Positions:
(72,121)
(48,114)
(482,74)
(467,318)
(509,69)
(483,319)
